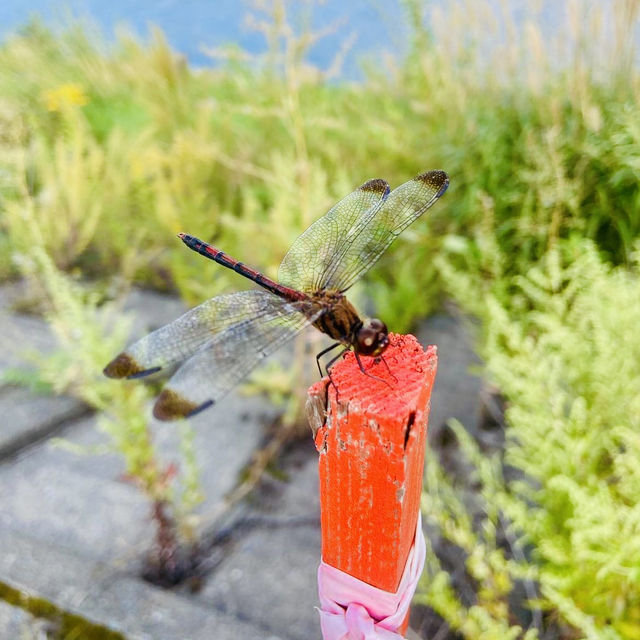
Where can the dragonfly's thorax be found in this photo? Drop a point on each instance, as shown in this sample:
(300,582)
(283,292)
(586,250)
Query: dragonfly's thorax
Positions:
(340,321)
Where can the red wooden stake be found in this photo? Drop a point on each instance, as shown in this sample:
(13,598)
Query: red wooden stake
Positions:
(371,447)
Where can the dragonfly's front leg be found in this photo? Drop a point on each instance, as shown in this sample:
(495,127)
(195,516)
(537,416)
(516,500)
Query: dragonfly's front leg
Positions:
(330,348)
(370,375)
(333,346)
(386,364)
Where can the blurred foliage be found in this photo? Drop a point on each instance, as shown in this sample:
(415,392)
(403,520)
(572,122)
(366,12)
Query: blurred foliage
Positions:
(106,152)
(88,333)
(124,146)
(566,357)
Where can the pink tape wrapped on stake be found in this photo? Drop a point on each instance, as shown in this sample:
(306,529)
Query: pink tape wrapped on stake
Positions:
(354,610)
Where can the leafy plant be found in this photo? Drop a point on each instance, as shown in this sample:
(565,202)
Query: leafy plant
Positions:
(88,335)
(566,357)
(262,145)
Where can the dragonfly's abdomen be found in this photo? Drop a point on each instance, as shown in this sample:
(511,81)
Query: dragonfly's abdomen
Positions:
(341,321)
(205,249)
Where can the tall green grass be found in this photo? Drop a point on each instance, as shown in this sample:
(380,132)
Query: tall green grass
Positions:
(540,141)
(260,150)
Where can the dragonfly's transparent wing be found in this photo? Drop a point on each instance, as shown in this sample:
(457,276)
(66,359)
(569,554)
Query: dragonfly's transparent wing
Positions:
(181,338)
(378,227)
(229,356)
(305,265)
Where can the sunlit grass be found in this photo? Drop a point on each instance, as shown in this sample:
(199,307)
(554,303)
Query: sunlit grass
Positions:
(531,131)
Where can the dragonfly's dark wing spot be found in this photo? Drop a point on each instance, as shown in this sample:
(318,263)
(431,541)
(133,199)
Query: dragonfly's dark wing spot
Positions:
(377,185)
(437,181)
(306,263)
(171,405)
(126,366)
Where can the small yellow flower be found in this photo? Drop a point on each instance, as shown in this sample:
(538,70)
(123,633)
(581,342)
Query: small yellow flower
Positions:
(64,96)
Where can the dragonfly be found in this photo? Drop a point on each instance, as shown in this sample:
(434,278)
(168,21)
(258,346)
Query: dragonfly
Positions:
(216,344)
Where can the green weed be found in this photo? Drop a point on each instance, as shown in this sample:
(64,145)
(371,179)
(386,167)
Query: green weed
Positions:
(566,357)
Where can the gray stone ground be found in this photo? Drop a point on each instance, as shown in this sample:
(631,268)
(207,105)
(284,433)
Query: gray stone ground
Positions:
(74,532)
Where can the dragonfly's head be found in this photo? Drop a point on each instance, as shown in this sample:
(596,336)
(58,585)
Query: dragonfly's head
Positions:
(372,338)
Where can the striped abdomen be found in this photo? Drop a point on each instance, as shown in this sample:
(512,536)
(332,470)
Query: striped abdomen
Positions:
(226,260)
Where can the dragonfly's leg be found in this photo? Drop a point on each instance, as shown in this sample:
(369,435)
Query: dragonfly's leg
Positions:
(329,372)
(386,364)
(330,348)
(365,371)
(336,357)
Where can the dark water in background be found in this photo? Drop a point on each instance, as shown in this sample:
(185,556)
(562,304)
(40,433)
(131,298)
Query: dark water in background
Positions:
(191,25)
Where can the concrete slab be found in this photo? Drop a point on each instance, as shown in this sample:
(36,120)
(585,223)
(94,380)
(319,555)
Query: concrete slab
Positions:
(152,310)
(18,624)
(105,520)
(456,392)
(26,417)
(22,338)
(292,490)
(91,454)
(268,576)
(95,592)
(269,580)
(226,436)
(25,336)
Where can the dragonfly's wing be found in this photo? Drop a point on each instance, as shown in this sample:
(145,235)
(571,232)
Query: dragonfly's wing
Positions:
(372,233)
(306,263)
(181,338)
(229,356)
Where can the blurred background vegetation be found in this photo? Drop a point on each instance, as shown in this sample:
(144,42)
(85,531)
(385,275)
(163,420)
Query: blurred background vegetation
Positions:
(107,151)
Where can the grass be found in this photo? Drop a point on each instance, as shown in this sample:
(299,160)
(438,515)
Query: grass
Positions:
(129,159)
(566,360)
(107,152)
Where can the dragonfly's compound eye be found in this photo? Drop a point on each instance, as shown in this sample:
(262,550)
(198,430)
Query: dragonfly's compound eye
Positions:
(372,337)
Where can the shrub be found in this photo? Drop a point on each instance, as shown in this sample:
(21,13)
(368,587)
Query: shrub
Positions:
(566,357)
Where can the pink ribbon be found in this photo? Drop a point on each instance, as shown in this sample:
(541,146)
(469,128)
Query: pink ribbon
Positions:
(354,610)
